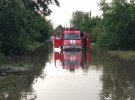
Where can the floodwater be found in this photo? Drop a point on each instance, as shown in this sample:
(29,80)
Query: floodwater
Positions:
(68,75)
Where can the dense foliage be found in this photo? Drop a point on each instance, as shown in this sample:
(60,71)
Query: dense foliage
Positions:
(39,6)
(118,24)
(115,29)
(90,25)
(23,24)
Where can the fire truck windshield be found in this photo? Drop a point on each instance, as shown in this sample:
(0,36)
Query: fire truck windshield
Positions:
(72,36)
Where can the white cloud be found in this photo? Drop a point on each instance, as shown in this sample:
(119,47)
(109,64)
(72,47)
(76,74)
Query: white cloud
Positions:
(62,15)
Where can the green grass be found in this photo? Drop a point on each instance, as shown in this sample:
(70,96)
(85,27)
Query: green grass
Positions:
(127,55)
(1,98)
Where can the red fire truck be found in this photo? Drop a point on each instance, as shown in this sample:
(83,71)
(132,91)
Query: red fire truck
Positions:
(71,39)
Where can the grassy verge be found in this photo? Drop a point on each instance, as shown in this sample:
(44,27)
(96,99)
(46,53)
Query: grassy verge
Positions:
(127,55)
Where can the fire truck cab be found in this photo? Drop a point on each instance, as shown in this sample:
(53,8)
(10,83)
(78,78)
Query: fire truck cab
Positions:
(71,39)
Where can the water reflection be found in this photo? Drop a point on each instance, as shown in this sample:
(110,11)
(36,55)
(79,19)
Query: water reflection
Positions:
(18,74)
(119,80)
(53,75)
(118,77)
(69,76)
(73,60)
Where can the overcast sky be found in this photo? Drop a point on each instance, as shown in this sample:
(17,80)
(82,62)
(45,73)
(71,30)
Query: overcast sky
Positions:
(62,15)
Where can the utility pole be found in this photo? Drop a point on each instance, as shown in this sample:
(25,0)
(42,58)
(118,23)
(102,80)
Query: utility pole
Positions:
(76,20)
(90,14)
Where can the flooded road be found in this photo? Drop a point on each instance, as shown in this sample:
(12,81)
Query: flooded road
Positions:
(69,76)
(57,75)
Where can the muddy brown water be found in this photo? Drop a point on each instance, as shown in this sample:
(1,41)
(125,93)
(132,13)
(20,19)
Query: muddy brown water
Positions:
(70,75)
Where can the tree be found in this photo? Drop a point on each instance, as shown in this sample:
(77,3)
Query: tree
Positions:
(119,24)
(20,27)
(84,22)
(39,6)
(59,29)
(78,18)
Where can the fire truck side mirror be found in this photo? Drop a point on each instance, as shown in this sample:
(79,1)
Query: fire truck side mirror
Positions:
(57,41)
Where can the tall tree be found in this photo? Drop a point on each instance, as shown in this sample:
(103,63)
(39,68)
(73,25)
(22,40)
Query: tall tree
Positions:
(39,6)
(90,25)
(78,18)
(119,24)
(20,28)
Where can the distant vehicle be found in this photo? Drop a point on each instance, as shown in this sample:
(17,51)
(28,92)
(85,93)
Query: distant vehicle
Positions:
(71,39)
